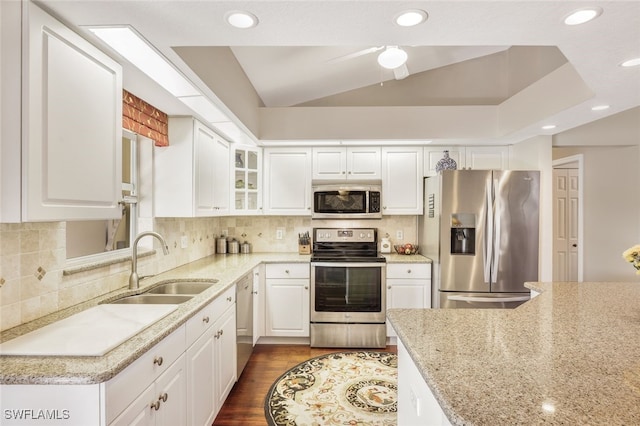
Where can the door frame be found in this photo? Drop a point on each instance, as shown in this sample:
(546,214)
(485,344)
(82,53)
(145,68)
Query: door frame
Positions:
(579,159)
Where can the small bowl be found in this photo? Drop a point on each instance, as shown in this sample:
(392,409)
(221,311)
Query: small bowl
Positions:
(400,249)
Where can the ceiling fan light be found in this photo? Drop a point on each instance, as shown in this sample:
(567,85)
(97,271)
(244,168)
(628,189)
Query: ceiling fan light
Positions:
(392,57)
(410,18)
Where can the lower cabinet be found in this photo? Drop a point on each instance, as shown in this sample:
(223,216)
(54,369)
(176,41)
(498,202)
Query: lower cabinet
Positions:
(287,299)
(210,359)
(408,286)
(416,403)
(164,402)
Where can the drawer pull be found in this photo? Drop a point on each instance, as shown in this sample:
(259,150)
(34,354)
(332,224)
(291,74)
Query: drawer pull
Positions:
(408,271)
(155,405)
(389,288)
(205,320)
(158,360)
(286,271)
(306,287)
(229,299)
(163,397)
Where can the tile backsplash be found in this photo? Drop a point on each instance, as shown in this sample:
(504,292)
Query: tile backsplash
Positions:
(33,281)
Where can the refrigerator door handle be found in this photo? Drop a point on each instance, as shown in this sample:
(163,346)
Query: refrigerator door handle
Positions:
(489,299)
(487,247)
(496,238)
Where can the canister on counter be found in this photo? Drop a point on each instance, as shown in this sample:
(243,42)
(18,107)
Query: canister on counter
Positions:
(245,247)
(221,245)
(233,246)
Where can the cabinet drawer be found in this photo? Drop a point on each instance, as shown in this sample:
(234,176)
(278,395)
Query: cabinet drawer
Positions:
(134,379)
(206,316)
(288,270)
(409,270)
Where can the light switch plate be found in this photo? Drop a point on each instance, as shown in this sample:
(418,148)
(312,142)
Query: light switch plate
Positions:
(184,241)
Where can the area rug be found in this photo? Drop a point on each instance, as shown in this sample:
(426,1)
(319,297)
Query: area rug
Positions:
(344,388)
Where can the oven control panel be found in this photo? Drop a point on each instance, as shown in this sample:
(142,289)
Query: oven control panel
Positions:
(356,235)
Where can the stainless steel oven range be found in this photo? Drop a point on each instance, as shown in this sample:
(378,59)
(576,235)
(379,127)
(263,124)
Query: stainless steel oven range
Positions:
(348,297)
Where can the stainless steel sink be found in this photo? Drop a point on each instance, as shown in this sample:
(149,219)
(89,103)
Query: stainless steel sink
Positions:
(182,287)
(154,299)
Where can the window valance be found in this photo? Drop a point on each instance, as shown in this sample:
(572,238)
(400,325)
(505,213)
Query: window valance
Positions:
(144,119)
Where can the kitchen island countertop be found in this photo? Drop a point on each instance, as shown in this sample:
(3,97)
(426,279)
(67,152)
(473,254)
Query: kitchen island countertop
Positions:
(227,269)
(569,356)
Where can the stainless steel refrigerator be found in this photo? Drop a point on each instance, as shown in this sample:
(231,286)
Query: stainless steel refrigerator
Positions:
(480,228)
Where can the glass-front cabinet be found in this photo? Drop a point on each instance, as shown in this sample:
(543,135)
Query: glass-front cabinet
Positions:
(247,180)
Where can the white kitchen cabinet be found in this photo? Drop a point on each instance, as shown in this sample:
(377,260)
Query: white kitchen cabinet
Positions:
(210,358)
(287,299)
(258,303)
(163,403)
(191,175)
(350,163)
(402,180)
(287,181)
(247,180)
(487,157)
(408,287)
(467,157)
(416,403)
(72,125)
(433,154)
(128,392)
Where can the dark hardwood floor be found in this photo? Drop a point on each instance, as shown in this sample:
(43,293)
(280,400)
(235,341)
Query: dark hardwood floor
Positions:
(245,404)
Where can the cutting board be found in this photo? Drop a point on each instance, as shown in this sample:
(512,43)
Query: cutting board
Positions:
(93,332)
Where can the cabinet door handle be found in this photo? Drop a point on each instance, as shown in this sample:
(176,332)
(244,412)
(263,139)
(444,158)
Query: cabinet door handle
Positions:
(163,397)
(155,405)
(389,288)
(306,287)
(158,360)
(286,271)
(408,271)
(205,320)
(229,299)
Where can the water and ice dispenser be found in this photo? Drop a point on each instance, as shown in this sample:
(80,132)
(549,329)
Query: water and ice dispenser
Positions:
(463,233)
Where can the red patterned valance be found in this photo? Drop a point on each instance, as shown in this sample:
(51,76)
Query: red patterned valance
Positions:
(144,119)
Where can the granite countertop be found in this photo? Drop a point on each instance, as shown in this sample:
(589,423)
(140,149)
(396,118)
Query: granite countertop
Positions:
(569,356)
(227,269)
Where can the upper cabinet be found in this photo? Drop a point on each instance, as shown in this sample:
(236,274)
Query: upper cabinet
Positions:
(402,180)
(340,163)
(191,175)
(247,180)
(72,125)
(287,181)
(478,157)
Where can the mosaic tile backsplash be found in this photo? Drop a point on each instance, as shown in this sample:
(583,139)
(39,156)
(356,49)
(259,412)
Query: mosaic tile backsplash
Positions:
(33,282)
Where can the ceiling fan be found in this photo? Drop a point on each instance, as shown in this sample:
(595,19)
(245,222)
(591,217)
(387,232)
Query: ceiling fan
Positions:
(390,57)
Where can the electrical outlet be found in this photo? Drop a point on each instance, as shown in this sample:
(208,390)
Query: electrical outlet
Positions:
(279,234)
(399,235)
(184,241)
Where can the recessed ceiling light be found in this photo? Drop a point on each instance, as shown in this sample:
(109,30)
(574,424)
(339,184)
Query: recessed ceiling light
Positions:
(549,127)
(631,63)
(581,16)
(392,57)
(410,18)
(241,19)
(600,107)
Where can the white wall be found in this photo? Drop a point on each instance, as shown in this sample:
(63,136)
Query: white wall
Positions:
(611,209)
(535,154)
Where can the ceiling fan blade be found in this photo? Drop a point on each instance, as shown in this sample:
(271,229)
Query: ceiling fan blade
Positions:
(401,72)
(355,54)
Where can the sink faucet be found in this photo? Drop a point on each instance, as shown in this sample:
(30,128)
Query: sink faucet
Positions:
(134,280)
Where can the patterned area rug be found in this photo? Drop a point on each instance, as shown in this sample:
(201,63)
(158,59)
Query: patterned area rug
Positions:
(343,388)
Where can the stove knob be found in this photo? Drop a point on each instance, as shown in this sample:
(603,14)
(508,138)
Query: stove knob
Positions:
(361,235)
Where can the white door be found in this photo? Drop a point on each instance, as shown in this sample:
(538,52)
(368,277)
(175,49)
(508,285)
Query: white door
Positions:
(565,224)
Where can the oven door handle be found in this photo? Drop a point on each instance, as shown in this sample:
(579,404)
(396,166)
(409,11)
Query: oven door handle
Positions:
(489,299)
(350,264)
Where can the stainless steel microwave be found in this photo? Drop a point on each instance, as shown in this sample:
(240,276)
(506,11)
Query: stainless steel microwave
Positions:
(347,200)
